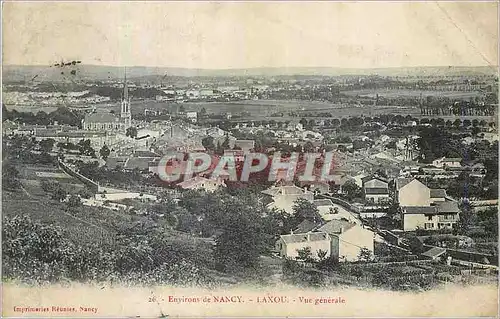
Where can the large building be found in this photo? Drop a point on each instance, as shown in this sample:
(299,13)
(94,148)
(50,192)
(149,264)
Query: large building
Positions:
(425,208)
(109,121)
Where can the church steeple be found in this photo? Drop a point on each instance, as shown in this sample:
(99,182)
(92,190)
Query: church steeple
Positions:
(125,114)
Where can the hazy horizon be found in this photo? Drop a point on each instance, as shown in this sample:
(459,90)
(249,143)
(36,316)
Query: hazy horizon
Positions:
(250,35)
(263,67)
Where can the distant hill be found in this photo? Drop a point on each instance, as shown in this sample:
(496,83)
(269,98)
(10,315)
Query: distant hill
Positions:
(95,72)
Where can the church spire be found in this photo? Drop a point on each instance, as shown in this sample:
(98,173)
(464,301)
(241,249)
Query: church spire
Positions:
(125,106)
(125,87)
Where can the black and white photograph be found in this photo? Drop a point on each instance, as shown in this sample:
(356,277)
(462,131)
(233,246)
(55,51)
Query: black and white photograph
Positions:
(257,158)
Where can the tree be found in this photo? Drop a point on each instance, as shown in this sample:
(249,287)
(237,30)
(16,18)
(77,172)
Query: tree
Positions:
(203,112)
(208,143)
(309,147)
(131,132)
(489,220)
(466,218)
(322,254)
(241,241)
(85,193)
(10,176)
(365,255)
(304,122)
(47,144)
(304,209)
(305,254)
(104,152)
(351,190)
(85,148)
(59,194)
(56,191)
(225,144)
(74,201)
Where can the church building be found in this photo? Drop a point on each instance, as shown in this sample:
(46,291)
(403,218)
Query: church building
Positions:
(109,121)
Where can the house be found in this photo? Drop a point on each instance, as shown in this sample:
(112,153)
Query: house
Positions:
(284,197)
(412,192)
(9,127)
(192,116)
(317,187)
(348,239)
(358,179)
(376,189)
(444,162)
(289,245)
(441,215)
(329,211)
(425,208)
(198,182)
(294,126)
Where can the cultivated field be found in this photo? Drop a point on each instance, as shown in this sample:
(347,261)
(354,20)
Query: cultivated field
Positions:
(388,93)
(263,109)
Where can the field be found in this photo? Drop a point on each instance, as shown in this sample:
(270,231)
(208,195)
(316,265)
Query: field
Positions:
(263,109)
(388,93)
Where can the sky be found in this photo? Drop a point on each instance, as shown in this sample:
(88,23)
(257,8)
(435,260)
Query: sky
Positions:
(229,35)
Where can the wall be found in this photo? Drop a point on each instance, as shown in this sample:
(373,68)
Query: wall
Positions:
(124,195)
(290,249)
(375,183)
(286,202)
(376,198)
(414,221)
(353,240)
(414,194)
(87,181)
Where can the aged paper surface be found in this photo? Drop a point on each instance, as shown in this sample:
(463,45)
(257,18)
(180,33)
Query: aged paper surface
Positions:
(280,159)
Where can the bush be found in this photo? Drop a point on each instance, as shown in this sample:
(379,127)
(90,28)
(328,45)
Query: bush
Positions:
(37,253)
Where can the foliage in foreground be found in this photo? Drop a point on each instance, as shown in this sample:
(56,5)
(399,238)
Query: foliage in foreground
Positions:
(38,253)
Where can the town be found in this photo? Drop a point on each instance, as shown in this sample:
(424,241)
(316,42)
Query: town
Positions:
(410,202)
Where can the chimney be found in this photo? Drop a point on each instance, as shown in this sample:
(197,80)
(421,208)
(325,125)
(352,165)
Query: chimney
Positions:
(309,236)
(291,231)
(341,229)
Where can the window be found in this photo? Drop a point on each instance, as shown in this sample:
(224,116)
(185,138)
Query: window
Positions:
(428,225)
(429,217)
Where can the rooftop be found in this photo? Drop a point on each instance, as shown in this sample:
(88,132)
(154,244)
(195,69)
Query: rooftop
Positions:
(306,237)
(284,190)
(419,210)
(305,226)
(101,118)
(369,178)
(402,182)
(434,252)
(438,193)
(337,226)
(447,207)
(376,191)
